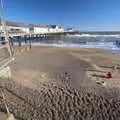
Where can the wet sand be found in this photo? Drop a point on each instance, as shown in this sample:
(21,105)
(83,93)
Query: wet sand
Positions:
(60,84)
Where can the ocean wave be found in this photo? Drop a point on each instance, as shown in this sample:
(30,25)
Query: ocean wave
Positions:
(100,45)
(90,35)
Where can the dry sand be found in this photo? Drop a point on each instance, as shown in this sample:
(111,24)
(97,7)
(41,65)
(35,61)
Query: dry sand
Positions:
(60,84)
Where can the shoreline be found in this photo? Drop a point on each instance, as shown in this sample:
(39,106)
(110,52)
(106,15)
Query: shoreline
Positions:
(112,49)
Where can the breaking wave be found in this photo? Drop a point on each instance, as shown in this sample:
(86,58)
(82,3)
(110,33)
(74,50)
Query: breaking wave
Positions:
(90,35)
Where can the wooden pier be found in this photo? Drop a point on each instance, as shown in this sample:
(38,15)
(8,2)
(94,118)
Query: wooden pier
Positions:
(31,37)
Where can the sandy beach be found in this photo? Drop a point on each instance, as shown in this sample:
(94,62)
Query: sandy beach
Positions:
(50,83)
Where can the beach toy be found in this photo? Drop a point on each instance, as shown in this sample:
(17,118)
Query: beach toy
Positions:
(109,75)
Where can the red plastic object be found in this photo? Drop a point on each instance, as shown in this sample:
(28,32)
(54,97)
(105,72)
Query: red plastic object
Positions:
(109,75)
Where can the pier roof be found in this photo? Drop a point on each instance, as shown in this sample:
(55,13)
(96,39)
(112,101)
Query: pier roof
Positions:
(40,26)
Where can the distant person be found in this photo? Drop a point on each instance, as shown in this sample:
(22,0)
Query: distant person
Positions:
(117,42)
(109,75)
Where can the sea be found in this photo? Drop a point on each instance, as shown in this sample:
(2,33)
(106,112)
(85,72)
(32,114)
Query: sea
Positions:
(107,42)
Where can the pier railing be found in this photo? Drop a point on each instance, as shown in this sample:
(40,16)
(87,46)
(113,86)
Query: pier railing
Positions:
(13,34)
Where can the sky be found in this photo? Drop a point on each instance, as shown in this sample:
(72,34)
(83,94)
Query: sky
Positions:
(83,15)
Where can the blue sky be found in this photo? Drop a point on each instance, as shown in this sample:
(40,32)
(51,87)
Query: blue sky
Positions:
(86,15)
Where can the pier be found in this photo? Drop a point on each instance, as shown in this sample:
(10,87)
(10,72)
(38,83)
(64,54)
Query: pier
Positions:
(20,38)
